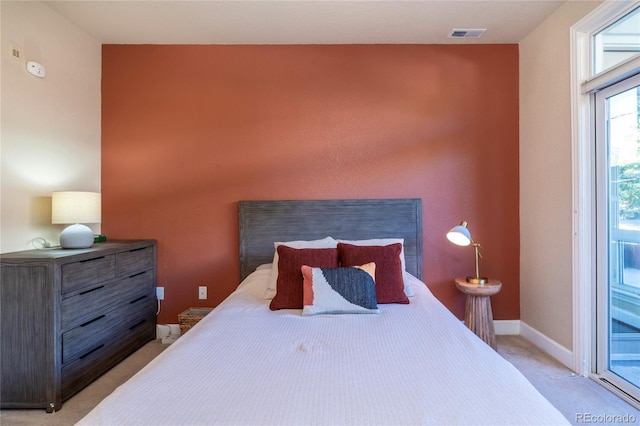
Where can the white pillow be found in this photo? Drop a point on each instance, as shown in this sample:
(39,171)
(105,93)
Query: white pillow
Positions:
(327,242)
(385,242)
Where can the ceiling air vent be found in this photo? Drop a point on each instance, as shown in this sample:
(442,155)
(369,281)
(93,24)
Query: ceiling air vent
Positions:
(467,33)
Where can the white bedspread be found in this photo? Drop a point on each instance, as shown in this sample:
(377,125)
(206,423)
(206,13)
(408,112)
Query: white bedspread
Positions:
(244,364)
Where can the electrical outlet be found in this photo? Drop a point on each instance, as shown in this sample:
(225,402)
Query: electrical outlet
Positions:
(202,292)
(160,293)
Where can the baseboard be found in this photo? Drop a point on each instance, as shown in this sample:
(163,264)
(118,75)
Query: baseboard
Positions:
(550,346)
(507,327)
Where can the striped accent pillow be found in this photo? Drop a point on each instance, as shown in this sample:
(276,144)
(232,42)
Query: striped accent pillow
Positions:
(345,290)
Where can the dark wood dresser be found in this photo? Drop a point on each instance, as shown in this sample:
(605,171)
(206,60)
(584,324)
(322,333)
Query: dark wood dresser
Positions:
(67,316)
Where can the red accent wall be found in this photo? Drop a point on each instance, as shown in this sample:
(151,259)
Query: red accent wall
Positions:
(188,130)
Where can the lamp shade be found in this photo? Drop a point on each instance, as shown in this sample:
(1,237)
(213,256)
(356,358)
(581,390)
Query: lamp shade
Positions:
(76,207)
(460,235)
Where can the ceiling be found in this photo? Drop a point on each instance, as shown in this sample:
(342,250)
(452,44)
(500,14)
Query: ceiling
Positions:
(303,22)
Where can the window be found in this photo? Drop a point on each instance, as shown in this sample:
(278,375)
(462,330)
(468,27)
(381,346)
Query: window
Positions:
(617,42)
(605,59)
(617,246)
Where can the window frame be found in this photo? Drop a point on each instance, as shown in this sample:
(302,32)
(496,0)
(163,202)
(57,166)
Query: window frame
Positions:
(583,85)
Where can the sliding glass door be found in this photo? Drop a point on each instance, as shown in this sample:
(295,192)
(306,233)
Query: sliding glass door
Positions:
(618,235)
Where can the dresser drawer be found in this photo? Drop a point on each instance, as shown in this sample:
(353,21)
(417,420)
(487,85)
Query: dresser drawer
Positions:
(81,372)
(104,327)
(88,272)
(136,260)
(83,339)
(83,306)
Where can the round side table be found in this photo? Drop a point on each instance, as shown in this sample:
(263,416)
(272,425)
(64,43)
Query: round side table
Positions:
(477,314)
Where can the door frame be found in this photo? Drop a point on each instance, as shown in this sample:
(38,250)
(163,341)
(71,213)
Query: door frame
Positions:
(583,83)
(601,361)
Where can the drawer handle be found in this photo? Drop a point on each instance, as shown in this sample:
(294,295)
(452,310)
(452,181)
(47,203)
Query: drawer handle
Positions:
(92,321)
(137,324)
(138,299)
(138,249)
(91,351)
(93,289)
(91,260)
(139,273)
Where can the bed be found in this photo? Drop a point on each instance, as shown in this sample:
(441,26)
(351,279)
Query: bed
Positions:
(395,364)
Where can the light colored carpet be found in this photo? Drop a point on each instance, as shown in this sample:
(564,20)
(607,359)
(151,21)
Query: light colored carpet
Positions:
(572,395)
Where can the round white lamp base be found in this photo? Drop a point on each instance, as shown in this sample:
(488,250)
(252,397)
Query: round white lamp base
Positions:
(76,236)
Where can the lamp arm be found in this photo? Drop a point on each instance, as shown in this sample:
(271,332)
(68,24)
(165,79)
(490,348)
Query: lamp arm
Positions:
(478,279)
(476,246)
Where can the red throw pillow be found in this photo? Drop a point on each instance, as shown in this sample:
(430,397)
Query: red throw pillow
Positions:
(289,286)
(389,281)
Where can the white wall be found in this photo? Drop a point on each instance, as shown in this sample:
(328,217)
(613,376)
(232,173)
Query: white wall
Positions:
(546,302)
(50,128)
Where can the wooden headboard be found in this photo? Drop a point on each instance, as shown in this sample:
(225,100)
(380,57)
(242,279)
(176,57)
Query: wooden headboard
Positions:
(261,223)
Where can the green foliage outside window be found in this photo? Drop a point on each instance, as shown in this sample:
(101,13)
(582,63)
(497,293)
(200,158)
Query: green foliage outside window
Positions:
(629,178)
(630,191)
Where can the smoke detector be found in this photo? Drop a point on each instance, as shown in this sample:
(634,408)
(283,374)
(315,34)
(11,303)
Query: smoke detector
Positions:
(467,32)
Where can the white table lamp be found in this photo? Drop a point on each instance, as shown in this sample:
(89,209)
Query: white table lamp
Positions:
(460,235)
(76,208)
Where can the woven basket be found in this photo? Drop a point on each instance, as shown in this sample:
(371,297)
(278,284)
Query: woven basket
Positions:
(190,317)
